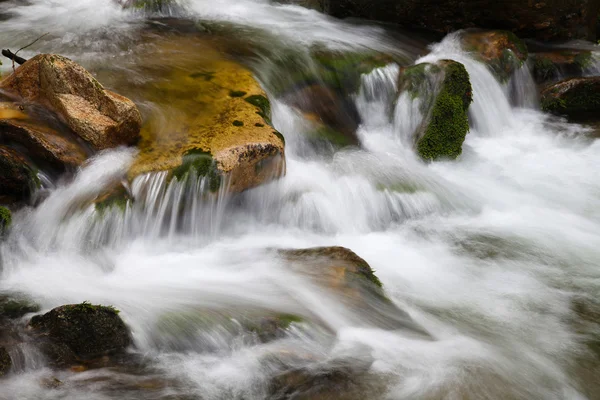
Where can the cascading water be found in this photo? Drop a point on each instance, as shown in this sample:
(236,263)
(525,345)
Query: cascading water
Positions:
(487,253)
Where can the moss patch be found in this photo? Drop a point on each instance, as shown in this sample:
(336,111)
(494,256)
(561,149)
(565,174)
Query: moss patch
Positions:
(238,123)
(575,97)
(263,104)
(237,93)
(5,218)
(448,124)
(201,164)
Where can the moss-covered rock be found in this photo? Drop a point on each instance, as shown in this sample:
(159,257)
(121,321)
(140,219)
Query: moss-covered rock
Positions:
(80,332)
(204,122)
(5,219)
(17,178)
(502,51)
(447,94)
(5,362)
(574,97)
(14,306)
(549,66)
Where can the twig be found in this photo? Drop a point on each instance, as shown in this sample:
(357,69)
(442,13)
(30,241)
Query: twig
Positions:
(9,54)
(14,69)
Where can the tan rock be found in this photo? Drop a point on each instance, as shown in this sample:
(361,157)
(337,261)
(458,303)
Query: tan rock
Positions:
(98,116)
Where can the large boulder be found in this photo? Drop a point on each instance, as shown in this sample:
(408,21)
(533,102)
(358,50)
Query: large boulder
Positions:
(574,97)
(102,118)
(80,332)
(502,51)
(546,20)
(17,178)
(212,120)
(444,92)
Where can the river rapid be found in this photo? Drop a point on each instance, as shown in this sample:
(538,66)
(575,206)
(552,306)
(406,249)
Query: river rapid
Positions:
(493,253)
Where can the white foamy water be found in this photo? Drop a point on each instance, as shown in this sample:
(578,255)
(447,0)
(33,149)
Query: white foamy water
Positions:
(487,252)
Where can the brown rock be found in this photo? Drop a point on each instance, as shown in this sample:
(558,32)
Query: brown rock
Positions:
(574,97)
(43,143)
(5,361)
(99,116)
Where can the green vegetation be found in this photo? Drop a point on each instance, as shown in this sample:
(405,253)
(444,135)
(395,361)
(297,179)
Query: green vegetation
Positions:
(5,218)
(572,97)
(237,93)
(86,306)
(238,123)
(448,123)
(263,105)
(202,164)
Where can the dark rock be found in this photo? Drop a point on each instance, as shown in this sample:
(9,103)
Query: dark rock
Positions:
(544,20)
(552,65)
(80,332)
(574,97)
(5,362)
(14,306)
(17,178)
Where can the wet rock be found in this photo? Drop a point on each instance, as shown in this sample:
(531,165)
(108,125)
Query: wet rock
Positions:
(344,274)
(550,66)
(100,117)
(502,51)
(574,97)
(149,5)
(544,20)
(5,362)
(444,90)
(5,221)
(14,305)
(214,122)
(80,332)
(336,113)
(43,143)
(17,178)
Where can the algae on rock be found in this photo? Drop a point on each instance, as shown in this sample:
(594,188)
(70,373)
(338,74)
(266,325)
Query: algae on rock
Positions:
(448,94)
(574,97)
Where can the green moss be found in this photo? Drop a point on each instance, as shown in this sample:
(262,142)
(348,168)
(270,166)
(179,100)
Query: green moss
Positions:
(330,135)
(5,218)
(582,98)
(15,306)
(86,306)
(280,136)
(259,125)
(238,123)
(263,105)
(518,43)
(237,93)
(118,200)
(202,164)
(584,60)
(448,123)
(152,5)
(412,78)
(544,69)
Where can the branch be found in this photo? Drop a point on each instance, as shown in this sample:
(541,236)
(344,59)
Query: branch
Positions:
(9,54)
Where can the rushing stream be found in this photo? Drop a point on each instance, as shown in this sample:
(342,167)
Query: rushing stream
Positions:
(488,253)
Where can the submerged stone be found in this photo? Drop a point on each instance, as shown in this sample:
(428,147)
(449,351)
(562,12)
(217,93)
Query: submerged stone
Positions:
(215,118)
(574,97)
(445,90)
(14,306)
(80,332)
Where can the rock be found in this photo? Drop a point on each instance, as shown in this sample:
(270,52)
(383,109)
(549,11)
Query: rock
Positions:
(5,362)
(5,222)
(17,178)
(343,273)
(215,122)
(502,51)
(43,144)
(336,113)
(446,94)
(574,97)
(80,332)
(149,5)
(13,306)
(544,20)
(100,117)
(550,66)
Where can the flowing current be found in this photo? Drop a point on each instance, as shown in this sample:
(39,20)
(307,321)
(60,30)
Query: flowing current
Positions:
(489,253)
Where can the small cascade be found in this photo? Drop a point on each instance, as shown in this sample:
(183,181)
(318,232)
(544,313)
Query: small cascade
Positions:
(522,89)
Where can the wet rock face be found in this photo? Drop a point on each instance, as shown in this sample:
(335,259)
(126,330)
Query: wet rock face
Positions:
(574,97)
(5,221)
(17,179)
(446,94)
(102,118)
(545,20)
(80,332)
(5,362)
(552,65)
